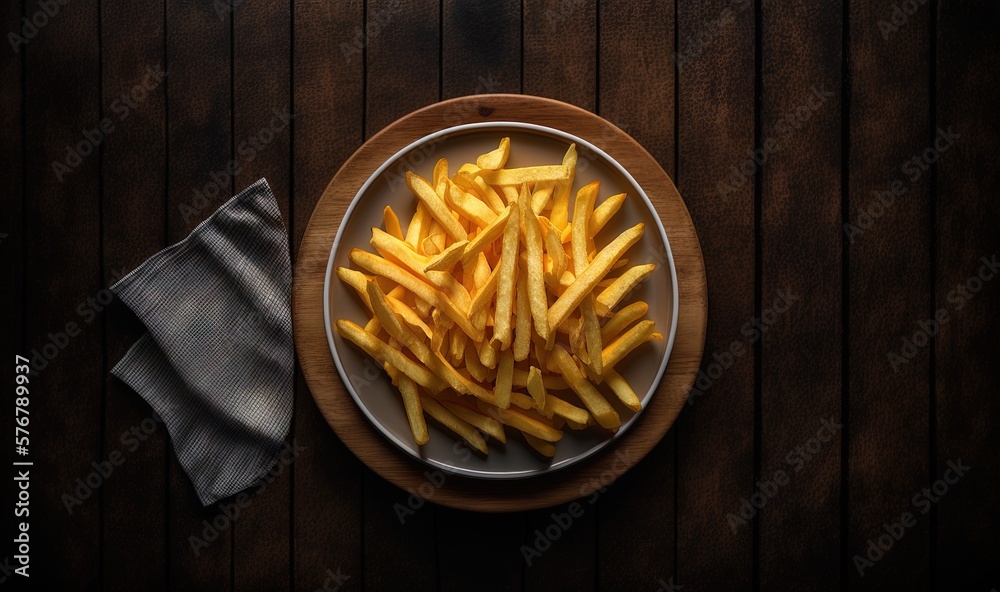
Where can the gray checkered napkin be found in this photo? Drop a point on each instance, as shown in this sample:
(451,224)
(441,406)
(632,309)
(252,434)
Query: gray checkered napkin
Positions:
(217,362)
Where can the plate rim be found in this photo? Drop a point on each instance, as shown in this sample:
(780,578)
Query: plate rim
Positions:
(438,136)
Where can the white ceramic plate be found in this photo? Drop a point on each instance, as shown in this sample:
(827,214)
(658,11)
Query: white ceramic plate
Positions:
(530,145)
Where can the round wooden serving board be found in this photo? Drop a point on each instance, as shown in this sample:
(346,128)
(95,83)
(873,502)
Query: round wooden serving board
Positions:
(550,489)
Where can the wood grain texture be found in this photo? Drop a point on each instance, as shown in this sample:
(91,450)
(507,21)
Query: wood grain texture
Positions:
(800,525)
(480,53)
(715,448)
(560,50)
(328,102)
(328,97)
(967,410)
(503,496)
(62,269)
(889,252)
(199,145)
(135,164)
(641,504)
(262,136)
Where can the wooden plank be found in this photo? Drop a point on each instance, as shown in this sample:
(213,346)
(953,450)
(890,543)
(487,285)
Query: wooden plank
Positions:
(402,74)
(481,47)
(800,376)
(401,59)
(262,132)
(200,150)
(888,237)
(134,169)
(641,505)
(328,87)
(481,53)
(966,521)
(565,70)
(62,258)
(715,434)
(12,227)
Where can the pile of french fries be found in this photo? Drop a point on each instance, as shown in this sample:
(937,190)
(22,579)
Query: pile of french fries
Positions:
(495,308)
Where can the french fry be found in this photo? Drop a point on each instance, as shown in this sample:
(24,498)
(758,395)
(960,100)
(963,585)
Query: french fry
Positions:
(522,422)
(435,205)
(502,332)
(590,328)
(454,423)
(447,259)
(619,348)
(536,387)
(604,213)
(440,172)
(622,389)
(495,159)
(416,230)
(522,320)
(505,378)
(595,272)
(541,196)
(518,177)
(620,287)
(381,351)
(488,194)
(392,223)
(621,319)
(414,410)
(598,406)
(535,282)
(487,425)
(486,237)
(560,196)
(544,448)
(470,206)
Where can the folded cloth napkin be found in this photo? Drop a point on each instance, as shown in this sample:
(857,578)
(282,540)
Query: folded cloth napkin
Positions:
(217,362)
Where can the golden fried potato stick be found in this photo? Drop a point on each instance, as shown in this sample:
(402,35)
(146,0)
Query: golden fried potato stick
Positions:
(487,425)
(447,258)
(440,171)
(505,378)
(488,355)
(591,329)
(435,205)
(495,159)
(502,332)
(619,288)
(356,280)
(560,195)
(469,206)
(541,196)
(392,223)
(536,387)
(416,230)
(485,293)
(604,213)
(619,348)
(486,237)
(510,193)
(552,382)
(488,194)
(472,363)
(381,351)
(532,174)
(457,342)
(522,320)
(522,422)
(409,315)
(595,272)
(535,281)
(622,389)
(541,446)
(621,319)
(411,403)
(395,251)
(454,423)
(599,407)
(392,272)
(555,250)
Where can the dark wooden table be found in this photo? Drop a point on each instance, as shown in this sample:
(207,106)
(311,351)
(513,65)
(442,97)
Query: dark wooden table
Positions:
(840,160)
